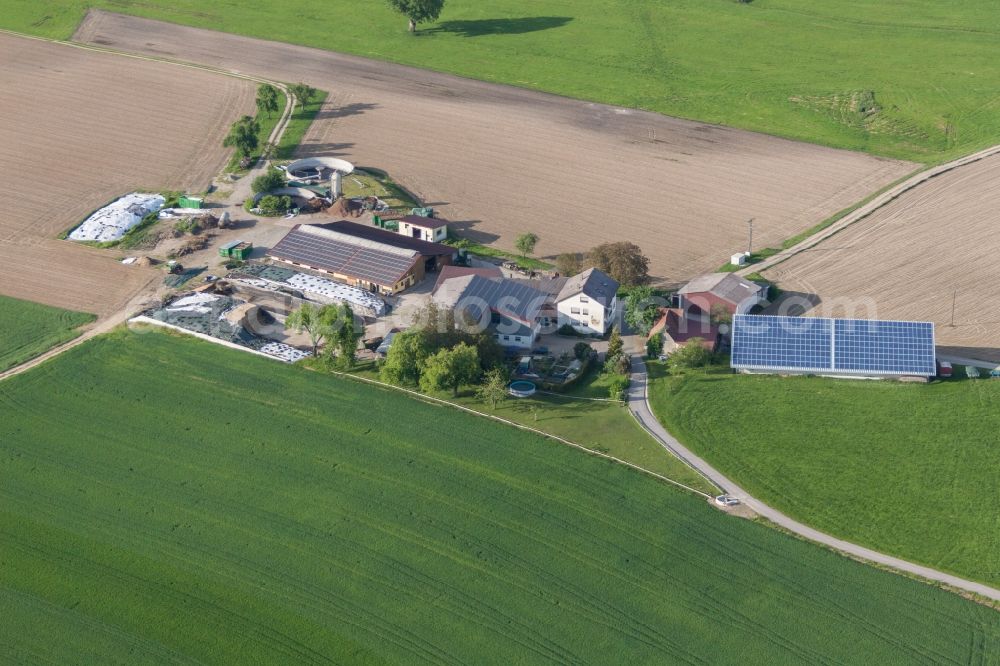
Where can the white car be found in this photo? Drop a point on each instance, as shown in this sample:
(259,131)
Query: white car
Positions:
(726,500)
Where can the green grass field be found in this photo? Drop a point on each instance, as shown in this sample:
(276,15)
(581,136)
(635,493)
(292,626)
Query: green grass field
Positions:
(915,79)
(604,427)
(906,469)
(28,329)
(297,126)
(165,499)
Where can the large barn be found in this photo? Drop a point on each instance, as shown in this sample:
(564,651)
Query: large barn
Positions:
(833,347)
(360,255)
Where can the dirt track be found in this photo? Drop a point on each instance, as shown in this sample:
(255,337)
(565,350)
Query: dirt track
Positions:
(80,128)
(502,160)
(909,258)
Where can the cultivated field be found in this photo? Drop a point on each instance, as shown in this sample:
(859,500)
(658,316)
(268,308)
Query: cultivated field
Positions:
(916,79)
(29,329)
(168,500)
(909,259)
(904,469)
(500,161)
(81,128)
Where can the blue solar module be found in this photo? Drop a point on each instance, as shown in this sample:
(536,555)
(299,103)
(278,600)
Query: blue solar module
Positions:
(793,343)
(894,347)
(836,346)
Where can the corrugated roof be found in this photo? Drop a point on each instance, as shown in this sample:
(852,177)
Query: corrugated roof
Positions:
(449,272)
(593,283)
(385,237)
(728,286)
(318,247)
(504,297)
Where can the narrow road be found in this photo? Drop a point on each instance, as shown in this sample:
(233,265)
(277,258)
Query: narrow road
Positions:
(638,402)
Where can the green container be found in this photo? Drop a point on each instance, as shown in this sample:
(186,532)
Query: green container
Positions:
(190,202)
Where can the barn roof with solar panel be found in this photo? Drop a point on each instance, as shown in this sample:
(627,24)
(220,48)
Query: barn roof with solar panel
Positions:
(836,347)
(364,257)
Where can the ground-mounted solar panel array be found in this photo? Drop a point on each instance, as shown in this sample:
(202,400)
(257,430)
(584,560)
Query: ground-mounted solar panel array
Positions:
(833,346)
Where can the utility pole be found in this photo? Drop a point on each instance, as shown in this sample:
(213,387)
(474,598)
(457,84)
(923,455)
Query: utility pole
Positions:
(750,242)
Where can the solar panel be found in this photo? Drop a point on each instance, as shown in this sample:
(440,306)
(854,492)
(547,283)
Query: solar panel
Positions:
(837,346)
(361,261)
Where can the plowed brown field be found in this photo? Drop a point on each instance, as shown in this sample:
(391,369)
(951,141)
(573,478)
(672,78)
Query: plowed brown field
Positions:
(913,259)
(80,128)
(502,160)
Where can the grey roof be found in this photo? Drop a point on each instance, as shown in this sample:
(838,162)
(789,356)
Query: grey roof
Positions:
(728,286)
(340,253)
(505,297)
(593,283)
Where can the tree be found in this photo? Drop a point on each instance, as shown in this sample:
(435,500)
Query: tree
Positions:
(615,344)
(493,389)
(654,345)
(582,350)
(243,136)
(418,11)
(642,308)
(302,93)
(346,336)
(267,99)
(623,261)
(525,243)
(692,355)
(450,368)
(271,180)
(569,264)
(405,361)
(318,322)
(273,205)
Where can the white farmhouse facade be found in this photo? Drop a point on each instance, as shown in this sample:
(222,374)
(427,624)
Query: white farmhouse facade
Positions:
(588,302)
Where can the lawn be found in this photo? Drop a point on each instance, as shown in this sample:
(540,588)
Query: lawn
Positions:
(906,469)
(604,427)
(915,80)
(165,499)
(28,329)
(297,126)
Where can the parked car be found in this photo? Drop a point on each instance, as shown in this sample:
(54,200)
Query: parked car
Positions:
(726,500)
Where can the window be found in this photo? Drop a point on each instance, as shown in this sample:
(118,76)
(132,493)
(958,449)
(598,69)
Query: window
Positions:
(506,337)
(585,311)
(574,310)
(584,299)
(517,338)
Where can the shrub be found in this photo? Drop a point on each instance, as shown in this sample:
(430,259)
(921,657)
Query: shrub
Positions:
(692,355)
(271,180)
(617,387)
(654,346)
(582,350)
(567,329)
(272,205)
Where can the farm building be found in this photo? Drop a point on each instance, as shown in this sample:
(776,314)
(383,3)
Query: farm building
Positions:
(678,329)
(448,272)
(588,302)
(726,290)
(510,311)
(425,228)
(363,256)
(834,347)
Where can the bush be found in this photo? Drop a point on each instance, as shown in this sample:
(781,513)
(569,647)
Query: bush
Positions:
(582,350)
(271,180)
(272,205)
(568,330)
(617,387)
(654,346)
(692,355)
